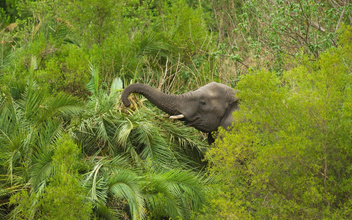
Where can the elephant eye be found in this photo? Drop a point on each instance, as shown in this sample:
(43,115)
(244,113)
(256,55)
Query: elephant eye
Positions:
(202,103)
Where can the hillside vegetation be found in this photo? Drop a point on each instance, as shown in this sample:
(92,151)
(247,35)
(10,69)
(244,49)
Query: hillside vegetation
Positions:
(69,149)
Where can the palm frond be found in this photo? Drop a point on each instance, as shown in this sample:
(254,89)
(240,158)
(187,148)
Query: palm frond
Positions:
(121,161)
(192,185)
(93,84)
(161,200)
(101,130)
(12,153)
(30,102)
(146,139)
(96,180)
(41,170)
(115,88)
(49,133)
(9,109)
(155,146)
(102,211)
(124,184)
(174,192)
(186,143)
(123,131)
(63,105)
(153,44)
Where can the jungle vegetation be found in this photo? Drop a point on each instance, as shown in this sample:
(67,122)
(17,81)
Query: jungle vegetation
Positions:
(69,149)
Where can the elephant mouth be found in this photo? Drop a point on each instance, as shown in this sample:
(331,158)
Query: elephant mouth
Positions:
(195,122)
(183,118)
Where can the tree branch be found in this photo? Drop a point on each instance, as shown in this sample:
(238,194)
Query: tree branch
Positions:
(339,21)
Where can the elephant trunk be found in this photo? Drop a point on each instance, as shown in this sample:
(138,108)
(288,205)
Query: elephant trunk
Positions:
(165,102)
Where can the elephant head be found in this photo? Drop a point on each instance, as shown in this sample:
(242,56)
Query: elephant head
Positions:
(205,109)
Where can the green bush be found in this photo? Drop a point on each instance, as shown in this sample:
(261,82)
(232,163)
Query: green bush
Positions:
(64,190)
(65,69)
(289,153)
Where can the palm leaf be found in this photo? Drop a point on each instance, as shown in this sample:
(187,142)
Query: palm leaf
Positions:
(13,151)
(160,199)
(30,102)
(102,211)
(93,84)
(115,88)
(41,170)
(49,133)
(155,146)
(62,105)
(96,180)
(175,192)
(124,184)
(190,184)
(123,131)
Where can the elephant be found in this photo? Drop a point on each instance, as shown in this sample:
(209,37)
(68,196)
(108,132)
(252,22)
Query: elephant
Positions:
(205,109)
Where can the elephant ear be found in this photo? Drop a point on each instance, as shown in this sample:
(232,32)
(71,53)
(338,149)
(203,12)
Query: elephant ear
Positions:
(227,119)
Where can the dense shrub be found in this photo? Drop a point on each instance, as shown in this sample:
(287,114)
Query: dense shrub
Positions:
(288,155)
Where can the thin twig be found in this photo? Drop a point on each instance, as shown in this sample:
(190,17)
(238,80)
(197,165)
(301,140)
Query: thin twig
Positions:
(339,21)
(165,73)
(176,71)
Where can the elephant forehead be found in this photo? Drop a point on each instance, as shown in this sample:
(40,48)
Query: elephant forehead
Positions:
(211,92)
(210,86)
(209,89)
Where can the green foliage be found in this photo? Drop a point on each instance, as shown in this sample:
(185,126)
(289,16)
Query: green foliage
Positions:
(187,28)
(26,114)
(132,155)
(66,70)
(266,34)
(8,12)
(30,122)
(125,39)
(165,43)
(174,193)
(148,193)
(24,205)
(288,155)
(64,191)
(43,168)
(142,134)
